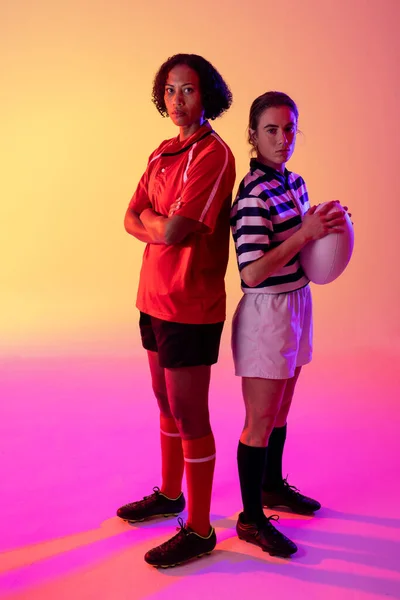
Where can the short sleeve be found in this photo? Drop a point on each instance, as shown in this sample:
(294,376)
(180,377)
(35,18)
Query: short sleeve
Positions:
(209,181)
(300,190)
(140,199)
(251,229)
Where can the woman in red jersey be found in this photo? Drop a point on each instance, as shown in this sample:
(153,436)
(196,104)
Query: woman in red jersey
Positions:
(181,211)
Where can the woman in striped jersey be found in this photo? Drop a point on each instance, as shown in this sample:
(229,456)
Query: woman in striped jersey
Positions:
(272,328)
(180,209)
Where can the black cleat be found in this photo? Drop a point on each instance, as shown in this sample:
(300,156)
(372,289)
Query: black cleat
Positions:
(289,496)
(266,536)
(155,505)
(184,546)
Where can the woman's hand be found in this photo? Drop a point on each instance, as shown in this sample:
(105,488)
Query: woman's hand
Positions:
(174,207)
(317,225)
(346,208)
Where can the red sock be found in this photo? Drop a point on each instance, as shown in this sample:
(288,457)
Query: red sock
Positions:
(199,464)
(171,458)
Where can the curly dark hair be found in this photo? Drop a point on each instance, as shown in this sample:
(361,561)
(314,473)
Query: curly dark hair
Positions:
(215,93)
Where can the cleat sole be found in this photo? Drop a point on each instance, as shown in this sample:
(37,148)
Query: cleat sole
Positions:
(166,516)
(182,561)
(295,511)
(270,552)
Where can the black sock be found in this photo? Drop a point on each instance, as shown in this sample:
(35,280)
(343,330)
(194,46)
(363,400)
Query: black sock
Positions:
(273,465)
(251,464)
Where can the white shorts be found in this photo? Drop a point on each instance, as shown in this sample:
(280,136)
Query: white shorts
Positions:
(272,334)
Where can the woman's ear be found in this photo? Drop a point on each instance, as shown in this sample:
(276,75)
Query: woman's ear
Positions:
(253,137)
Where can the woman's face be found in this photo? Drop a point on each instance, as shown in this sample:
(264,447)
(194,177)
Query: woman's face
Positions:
(182,97)
(275,136)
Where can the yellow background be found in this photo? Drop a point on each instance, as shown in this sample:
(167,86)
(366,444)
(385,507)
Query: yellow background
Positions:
(77,126)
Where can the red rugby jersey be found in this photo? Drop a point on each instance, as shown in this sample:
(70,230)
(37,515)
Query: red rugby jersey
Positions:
(185,282)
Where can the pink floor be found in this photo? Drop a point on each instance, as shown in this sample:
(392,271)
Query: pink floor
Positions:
(79,437)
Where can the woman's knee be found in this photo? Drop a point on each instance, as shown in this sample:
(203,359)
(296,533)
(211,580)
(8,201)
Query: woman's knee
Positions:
(188,399)
(282,416)
(162,401)
(191,424)
(261,427)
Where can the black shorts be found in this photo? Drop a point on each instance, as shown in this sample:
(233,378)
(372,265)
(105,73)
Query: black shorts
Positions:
(180,344)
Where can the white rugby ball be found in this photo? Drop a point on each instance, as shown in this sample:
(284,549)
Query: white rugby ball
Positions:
(325,259)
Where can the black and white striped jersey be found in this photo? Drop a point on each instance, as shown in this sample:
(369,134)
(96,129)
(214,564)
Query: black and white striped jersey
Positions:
(268,209)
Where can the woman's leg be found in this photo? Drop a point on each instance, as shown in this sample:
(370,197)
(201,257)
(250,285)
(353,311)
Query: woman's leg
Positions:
(273,467)
(172,464)
(169,500)
(186,351)
(262,399)
(276,490)
(188,399)
(287,399)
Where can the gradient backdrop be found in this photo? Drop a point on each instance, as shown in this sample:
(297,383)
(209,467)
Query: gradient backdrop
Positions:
(77,126)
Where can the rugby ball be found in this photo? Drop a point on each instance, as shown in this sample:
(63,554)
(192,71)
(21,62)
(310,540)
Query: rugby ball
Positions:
(325,259)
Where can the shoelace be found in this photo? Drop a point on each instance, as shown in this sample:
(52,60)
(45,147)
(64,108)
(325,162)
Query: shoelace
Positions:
(156,491)
(182,526)
(270,526)
(175,541)
(291,488)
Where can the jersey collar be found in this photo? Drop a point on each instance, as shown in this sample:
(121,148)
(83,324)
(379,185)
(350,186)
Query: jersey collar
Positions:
(282,177)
